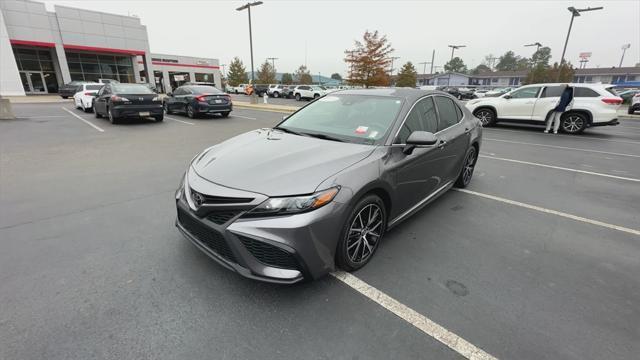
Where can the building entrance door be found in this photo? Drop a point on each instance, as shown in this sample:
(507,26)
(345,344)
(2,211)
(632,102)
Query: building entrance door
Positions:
(33,82)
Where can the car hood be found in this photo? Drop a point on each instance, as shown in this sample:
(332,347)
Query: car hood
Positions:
(274,163)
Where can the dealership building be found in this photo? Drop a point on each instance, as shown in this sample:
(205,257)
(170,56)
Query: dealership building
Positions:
(40,50)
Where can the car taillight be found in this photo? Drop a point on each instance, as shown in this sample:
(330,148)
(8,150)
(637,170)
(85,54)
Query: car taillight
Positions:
(612,101)
(117,98)
(228,98)
(201,98)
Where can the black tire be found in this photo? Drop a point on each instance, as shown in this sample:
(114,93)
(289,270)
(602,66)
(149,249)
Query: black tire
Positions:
(191,113)
(64,97)
(573,123)
(315,96)
(96,113)
(630,110)
(276,94)
(469,164)
(88,110)
(487,116)
(166,109)
(348,238)
(225,114)
(112,119)
(298,97)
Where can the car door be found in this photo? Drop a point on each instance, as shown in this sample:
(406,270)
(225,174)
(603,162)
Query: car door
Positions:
(549,98)
(453,137)
(101,100)
(416,174)
(519,104)
(173,102)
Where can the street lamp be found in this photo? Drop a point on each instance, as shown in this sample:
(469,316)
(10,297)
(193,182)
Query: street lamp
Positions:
(574,12)
(624,49)
(392,59)
(273,62)
(536,44)
(248,7)
(453,48)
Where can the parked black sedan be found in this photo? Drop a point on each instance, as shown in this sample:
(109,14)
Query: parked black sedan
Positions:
(194,100)
(117,101)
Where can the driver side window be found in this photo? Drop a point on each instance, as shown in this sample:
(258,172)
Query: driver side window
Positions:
(526,93)
(421,118)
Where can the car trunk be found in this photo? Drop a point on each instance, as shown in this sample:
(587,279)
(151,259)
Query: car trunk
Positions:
(214,99)
(139,99)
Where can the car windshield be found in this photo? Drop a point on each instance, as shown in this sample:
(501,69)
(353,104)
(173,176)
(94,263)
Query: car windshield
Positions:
(94,87)
(203,89)
(130,89)
(361,119)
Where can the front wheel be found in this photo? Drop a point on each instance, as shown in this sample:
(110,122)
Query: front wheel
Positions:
(362,233)
(573,123)
(487,116)
(190,112)
(276,94)
(315,96)
(298,97)
(467,168)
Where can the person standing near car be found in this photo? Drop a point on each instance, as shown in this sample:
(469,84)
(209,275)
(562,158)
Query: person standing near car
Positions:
(565,100)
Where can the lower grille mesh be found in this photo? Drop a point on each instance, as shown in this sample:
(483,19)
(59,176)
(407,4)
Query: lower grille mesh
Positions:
(269,254)
(221,217)
(211,238)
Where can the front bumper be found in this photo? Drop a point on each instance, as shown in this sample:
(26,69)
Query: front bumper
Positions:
(281,249)
(126,110)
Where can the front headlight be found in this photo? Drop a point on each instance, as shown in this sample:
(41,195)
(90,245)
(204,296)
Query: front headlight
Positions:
(294,205)
(180,189)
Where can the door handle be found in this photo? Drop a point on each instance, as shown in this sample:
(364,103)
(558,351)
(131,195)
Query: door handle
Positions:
(442,144)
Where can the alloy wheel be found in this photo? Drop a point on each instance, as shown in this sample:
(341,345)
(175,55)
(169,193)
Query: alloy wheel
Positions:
(469,164)
(364,233)
(485,116)
(190,111)
(573,124)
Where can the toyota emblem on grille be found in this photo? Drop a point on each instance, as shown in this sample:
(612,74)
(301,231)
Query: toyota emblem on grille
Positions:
(198,199)
(141,99)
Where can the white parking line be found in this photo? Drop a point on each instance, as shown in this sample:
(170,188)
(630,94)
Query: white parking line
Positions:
(560,147)
(84,120)
(181,121)
(44,116)
(553,212)
(421,322)
(568,136)
(244,117)
(560,168)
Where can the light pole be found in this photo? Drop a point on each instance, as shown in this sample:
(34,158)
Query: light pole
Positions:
(624,49)
(248,7)
(574,12)
(536,44)
(453,48)
(392,59)
(424,70)
(273,62)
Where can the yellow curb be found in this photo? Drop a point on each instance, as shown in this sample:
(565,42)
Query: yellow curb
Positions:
(266,107)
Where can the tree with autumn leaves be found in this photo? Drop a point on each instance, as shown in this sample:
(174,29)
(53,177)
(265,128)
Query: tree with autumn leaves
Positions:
(369,61)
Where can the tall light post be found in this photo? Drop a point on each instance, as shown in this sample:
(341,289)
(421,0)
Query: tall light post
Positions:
(248,6)
(273,62)
(392,60)
(453,49)
(536,44)
(574,12)
(624,49)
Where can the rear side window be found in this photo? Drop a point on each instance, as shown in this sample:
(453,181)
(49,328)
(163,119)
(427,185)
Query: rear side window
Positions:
(584,92)
(94,87)
(447,111)
(552,91)
(421,118)
(526,93)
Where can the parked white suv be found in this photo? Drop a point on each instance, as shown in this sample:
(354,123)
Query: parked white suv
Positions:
(275,90)
(308,92)
(593,105)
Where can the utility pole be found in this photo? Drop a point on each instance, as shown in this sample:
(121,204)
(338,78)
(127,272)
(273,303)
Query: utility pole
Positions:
(433,56)
(248,6)
(574,12)
(273,62)
(624,49)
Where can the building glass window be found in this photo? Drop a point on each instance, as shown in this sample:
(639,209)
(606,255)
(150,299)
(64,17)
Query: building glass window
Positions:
(91,67)
(37,61)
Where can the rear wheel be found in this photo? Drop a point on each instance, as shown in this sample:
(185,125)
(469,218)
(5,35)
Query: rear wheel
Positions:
(315,96)
(362,233)
(166,109)
(630,110)
(298,97)
(467,168)
(112,119)
(159,118)
(573,123)
(276,94)
(191,113)
(487,116)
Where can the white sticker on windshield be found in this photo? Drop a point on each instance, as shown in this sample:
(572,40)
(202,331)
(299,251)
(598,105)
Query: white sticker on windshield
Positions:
(398,101)
(373,135)
(329,99)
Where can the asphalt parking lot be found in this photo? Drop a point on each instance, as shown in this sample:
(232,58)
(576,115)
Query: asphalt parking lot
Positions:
(539,259)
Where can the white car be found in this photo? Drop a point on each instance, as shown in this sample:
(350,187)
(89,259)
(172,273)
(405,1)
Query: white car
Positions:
(238,89)
(592,105)
(480,92)
(83,99)
(275,90)
(635,103)
(308,92)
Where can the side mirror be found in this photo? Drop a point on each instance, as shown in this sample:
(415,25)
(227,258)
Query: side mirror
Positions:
(507,96)
(419,138)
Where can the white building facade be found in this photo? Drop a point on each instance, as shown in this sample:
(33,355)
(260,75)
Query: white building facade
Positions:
(40,50)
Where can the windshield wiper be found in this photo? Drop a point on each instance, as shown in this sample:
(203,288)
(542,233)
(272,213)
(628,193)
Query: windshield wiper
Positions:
(288,130)
(323,136)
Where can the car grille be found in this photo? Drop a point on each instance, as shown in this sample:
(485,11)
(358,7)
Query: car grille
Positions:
(269,254)
(221,217)
(211,199)
(209,237)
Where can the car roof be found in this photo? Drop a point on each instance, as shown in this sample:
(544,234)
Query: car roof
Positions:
(589,85)
(406,93)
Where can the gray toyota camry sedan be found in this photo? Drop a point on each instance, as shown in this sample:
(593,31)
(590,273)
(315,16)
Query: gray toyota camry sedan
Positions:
(319,190)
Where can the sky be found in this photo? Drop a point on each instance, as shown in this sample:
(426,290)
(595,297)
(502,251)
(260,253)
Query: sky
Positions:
(318,32)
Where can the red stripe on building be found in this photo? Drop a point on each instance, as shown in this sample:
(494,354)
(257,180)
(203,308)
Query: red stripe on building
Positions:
(103,50)
(32,43)
(185,65)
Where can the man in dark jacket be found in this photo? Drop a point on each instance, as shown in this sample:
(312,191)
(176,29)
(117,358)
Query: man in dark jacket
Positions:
(565,101)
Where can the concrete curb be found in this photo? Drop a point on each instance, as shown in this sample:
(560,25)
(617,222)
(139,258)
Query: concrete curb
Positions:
(266,107)
(44,99)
